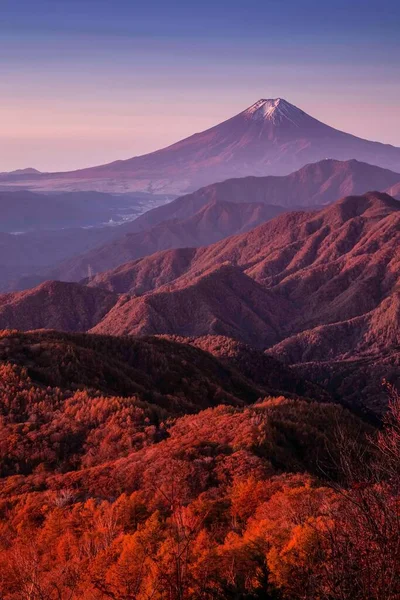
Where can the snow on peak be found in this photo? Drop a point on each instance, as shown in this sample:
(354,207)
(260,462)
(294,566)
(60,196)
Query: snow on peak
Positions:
(275,110)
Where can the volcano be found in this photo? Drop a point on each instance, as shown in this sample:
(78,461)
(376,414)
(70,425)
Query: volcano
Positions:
(271,137)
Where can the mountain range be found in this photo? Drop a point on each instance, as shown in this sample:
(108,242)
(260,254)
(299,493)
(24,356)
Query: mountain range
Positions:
(206,216)
(271,137)
(331,265)
(316,287)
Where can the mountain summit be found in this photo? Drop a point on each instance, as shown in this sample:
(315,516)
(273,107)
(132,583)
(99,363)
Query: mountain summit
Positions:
(271,137)
(276,111)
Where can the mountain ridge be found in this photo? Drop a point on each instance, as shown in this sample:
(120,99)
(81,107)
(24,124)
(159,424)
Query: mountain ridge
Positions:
(174,225)
(338,263)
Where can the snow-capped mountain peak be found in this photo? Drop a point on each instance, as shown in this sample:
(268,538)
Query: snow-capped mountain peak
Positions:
(271,137)
(276,111)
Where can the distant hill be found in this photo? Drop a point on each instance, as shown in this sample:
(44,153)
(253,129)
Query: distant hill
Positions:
(212,222)
(313,185)
(27,171)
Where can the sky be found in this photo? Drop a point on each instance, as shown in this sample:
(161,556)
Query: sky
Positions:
(85,82)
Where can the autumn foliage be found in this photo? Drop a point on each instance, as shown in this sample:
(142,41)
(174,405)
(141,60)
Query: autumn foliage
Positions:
(123,496)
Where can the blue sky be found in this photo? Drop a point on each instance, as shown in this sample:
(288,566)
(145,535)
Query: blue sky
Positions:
(89,81)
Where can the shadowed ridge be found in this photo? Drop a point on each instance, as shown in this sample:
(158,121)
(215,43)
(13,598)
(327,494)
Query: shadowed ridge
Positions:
(257,366)
(173,375)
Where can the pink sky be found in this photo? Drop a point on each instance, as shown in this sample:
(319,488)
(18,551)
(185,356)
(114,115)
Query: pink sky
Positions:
(69,135)
(80,87)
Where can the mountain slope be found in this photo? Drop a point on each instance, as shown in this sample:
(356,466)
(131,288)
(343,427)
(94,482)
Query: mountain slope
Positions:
(55,305)
(164,373)
(277,249)
(314,184)
(146,274)
(258,366)
(371,332)
(212,222)
(223,301)
(270,137)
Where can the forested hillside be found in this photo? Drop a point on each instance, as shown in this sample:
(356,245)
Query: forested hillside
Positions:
(110,489)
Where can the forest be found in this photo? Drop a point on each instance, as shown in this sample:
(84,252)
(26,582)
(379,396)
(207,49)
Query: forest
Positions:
(187,478)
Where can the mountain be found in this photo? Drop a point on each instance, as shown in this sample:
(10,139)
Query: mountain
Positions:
(284,252)
(223,301)
(55,305)
(27,171)
(313,185)
(318,288)
(271,137)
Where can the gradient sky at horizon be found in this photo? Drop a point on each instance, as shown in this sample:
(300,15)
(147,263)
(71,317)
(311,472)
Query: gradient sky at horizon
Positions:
(85,82)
